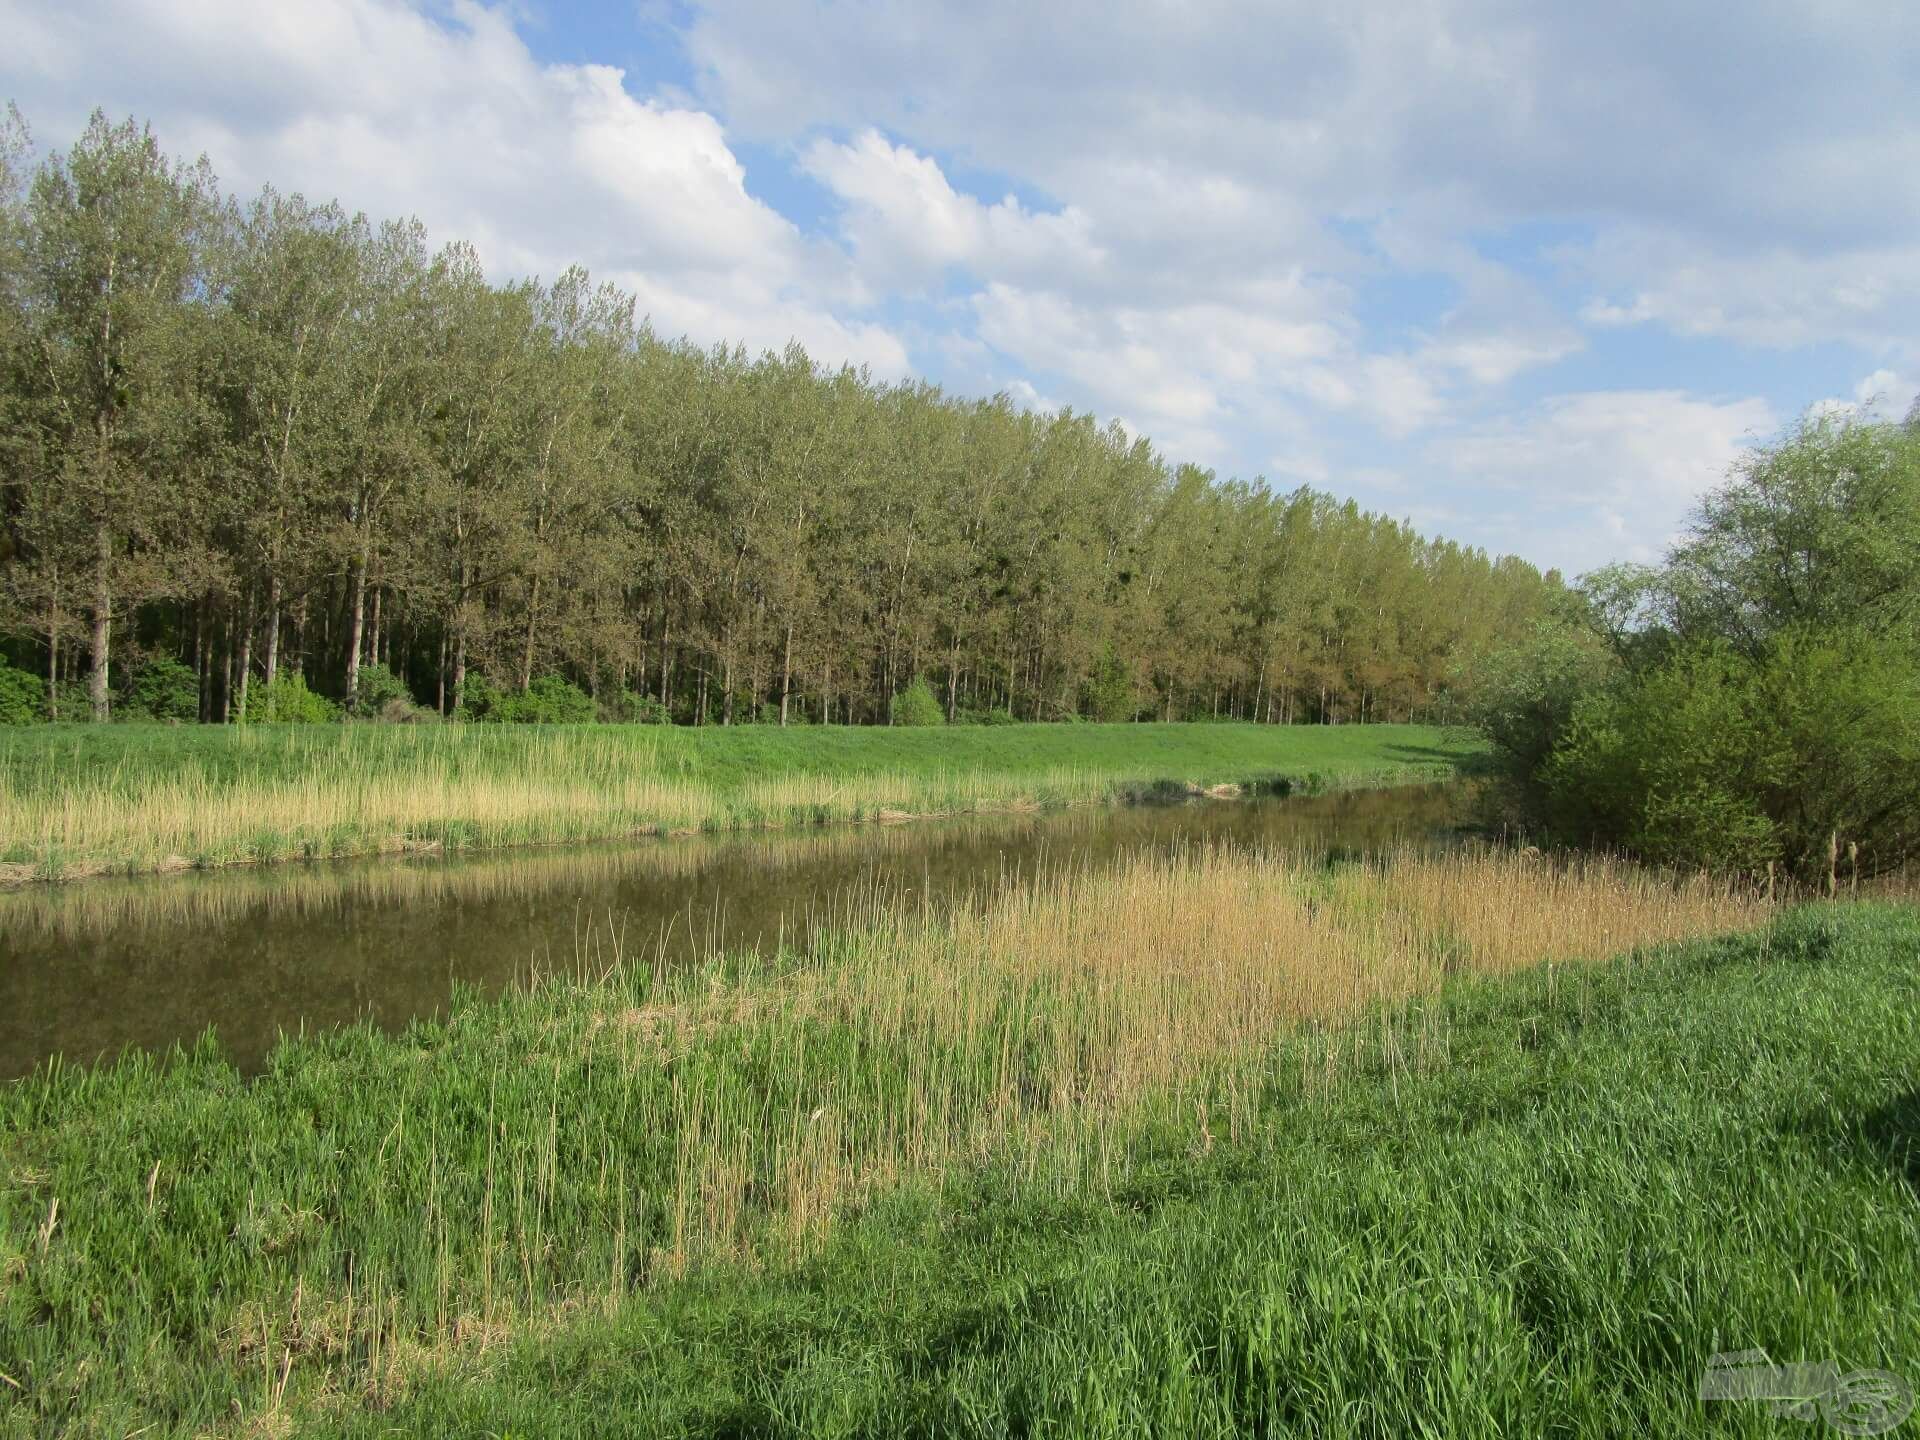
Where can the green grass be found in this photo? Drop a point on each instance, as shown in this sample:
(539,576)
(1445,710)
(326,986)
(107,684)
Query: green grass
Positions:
(78,800)
(34,759)
(1529,1206)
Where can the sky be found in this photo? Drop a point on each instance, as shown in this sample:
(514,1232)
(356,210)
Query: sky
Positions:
(1528,274)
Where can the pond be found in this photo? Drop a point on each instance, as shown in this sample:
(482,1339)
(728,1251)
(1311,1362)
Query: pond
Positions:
(89,969)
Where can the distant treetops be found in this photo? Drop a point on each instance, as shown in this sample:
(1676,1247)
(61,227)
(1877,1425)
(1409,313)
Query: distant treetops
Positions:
(252,451)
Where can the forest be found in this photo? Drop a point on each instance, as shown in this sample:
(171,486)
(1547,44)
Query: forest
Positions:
(269,459)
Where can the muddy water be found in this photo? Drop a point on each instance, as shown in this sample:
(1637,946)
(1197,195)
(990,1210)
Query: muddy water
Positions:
(90,969)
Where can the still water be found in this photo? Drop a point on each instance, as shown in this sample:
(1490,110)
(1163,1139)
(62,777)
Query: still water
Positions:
(89,969)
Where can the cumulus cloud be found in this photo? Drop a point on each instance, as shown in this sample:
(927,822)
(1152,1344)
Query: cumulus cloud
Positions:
(1732,174)
(1883,395)
(1584,478)
(1334,240)
(395,112)
(906,221)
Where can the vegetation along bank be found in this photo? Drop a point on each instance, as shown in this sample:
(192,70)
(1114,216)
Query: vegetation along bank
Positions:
(1211,1144)
(79,800)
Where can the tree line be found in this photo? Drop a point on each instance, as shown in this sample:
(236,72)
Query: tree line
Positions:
(265,450)
(1753,702)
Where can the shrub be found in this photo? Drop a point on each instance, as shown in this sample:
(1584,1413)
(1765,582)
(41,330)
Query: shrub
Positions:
(918,705)
(549,700)
(402,710)
(288,701)
(1110,693)
(376,688)
(984,717)
(163,689)
(630,707)
(23,696)
(769,713)
(1524,697)
(1716,758)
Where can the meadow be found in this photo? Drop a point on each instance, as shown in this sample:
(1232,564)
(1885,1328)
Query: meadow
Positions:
(78,800)
(1466,1142)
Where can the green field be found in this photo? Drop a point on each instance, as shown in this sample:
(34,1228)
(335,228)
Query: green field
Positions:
(78,800)
(1210,1146)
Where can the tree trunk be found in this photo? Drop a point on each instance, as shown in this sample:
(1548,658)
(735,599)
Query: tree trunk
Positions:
(53,650)
(526,652)
(786,674)
(298,664)
(356,625)
(460,643)
(246,658)
(273,627)
(102,624)
(226,677)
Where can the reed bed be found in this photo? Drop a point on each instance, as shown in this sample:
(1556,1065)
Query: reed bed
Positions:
(75,804)
(376,1211)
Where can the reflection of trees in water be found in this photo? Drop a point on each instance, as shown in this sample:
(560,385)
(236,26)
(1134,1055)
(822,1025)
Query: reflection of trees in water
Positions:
(321,889)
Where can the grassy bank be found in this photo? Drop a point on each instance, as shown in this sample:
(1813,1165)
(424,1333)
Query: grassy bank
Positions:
(1202,1146)
(84,800)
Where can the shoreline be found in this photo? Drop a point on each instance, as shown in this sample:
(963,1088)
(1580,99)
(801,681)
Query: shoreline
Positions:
(18,876)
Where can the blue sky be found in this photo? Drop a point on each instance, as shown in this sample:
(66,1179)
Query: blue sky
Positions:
(1527,274)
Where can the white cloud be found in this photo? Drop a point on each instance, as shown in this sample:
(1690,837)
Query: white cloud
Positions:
(396,113)
(905,220)
(1738,173)
(1883,395)
(1584,478)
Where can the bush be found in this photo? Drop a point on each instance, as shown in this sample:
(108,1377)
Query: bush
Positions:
(630,707)
(163,689)
(918,705)
(1524,697)
(288,701)
(1111,696)
(984,717)
(23,696)
(1718,759)
(550,700)
(377,687)
(402,710)
(769,713)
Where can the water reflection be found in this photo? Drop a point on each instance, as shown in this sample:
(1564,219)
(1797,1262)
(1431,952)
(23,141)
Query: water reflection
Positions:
(89,969)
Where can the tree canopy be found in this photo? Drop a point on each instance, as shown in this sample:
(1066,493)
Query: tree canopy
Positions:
(274,441)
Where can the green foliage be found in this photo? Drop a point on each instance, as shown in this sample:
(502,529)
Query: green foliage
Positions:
(23,695)
(163,689)
(1525,697)
(549,700)
(288,701)
(1753,701)
(769,714)
(630,707)
(377,688)
(1721,759)
(1111,696)
(965,716)
(371,394)
(918,705)
(1725,1130)
(1819,531)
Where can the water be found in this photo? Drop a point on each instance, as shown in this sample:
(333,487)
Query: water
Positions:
(89,969)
